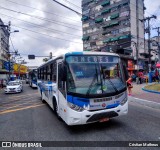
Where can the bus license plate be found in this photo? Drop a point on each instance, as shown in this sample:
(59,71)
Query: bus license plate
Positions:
(104,120)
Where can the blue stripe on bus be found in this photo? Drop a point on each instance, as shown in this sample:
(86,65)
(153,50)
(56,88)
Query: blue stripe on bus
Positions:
(78,101)
(34,82)
(112,105)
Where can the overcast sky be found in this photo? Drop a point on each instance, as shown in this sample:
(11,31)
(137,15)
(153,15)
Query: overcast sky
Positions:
(45,26)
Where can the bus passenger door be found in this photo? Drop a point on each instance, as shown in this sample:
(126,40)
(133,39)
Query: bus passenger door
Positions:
(61,91)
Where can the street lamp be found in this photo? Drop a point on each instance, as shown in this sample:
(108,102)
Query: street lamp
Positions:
(9,51)
(14,31)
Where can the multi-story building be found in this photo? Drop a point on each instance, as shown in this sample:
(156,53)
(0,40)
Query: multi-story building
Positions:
(155,51)
(115,26)
(4,49)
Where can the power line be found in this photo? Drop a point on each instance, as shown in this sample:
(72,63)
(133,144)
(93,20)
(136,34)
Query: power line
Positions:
(68,7)
(40,26)
(46,34)
(52,13)
(41,18)
(72,4)
(12,44)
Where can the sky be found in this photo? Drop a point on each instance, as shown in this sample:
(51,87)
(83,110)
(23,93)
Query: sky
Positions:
(45,26)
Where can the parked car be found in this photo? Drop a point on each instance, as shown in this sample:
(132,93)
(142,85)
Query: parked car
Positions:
(13,87)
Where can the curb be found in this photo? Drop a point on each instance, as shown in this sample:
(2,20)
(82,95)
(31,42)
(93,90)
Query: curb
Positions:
(151,91)
(145,102)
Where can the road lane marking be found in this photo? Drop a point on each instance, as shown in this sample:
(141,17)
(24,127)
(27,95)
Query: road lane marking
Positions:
(20,96)
(29,102)
(146,100)
(14,110)
(17,100)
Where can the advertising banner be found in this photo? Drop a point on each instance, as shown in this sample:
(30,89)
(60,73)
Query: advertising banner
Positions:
(18,68)
(131,65)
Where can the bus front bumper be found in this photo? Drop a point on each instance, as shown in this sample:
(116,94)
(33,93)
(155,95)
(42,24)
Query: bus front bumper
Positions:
(85,117)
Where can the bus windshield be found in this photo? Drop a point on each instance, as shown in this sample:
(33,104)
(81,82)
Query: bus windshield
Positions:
(94,75)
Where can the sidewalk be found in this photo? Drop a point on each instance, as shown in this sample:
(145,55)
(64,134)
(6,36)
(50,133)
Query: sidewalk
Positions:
(141,94)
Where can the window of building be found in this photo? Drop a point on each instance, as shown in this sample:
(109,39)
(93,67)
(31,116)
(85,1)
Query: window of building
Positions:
(124,14)
(124,30)
(114,32)
(114,8)
(125,22)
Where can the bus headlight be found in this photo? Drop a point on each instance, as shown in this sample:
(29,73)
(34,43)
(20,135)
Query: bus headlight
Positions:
(75,107)
(124,101)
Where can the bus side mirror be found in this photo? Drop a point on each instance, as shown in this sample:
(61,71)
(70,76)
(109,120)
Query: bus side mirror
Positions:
(125,72)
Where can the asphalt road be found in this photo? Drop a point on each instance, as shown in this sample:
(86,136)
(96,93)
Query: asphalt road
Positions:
(23,117)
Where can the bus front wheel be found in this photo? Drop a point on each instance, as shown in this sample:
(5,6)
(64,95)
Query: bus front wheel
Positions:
(55,108)
(43,101)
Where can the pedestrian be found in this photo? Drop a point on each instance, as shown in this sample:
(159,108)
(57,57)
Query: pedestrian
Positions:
(140,75)
(129,85)
(156,75)
(2,83)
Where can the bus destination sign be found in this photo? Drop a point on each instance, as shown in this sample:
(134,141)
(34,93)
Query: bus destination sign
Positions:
(92,59)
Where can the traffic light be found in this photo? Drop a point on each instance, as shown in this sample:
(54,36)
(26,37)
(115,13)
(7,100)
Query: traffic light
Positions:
(31,56)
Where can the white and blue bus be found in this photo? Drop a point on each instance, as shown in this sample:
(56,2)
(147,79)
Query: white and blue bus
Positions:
(84,87)
(32,78)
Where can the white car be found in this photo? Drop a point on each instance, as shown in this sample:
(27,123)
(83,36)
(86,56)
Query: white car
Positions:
(13,87)
(18,80)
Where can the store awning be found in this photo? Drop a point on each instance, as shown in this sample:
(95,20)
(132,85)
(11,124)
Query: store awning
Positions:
(105,3)
(114,16)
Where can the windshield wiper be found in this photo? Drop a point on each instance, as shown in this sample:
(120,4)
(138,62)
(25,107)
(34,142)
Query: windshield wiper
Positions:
(113,85)
(91,85)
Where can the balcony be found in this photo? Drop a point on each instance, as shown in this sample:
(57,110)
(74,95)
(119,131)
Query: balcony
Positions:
(114,16)
(99,20)
(85,38)
(105,3)
(105,11)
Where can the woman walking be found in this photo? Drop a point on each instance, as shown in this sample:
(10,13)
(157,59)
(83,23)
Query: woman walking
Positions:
(129,86)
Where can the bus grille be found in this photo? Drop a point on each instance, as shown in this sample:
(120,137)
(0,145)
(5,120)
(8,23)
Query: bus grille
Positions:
(97,117)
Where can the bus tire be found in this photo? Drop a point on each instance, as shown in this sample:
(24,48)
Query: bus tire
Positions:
(43,101)
(55,108)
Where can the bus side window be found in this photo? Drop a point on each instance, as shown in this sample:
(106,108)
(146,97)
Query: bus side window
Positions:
(61,84)
(54,72)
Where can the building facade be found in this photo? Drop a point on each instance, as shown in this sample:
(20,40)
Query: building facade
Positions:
(155,50)
(4,50)
(115,26)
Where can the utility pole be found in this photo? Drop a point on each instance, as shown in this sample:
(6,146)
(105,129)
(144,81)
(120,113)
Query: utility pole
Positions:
(148,30)
(158,31)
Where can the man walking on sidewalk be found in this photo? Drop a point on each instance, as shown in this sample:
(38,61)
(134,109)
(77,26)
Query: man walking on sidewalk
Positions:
(140,75)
